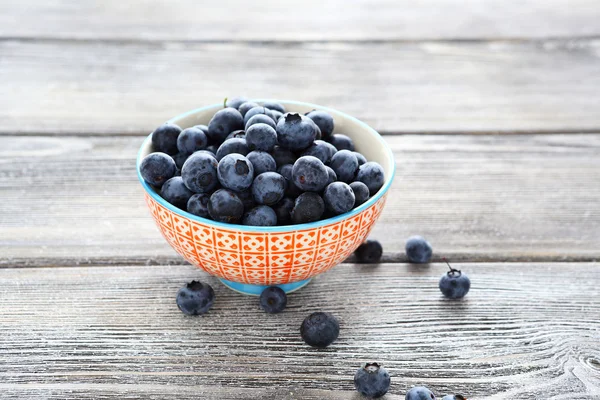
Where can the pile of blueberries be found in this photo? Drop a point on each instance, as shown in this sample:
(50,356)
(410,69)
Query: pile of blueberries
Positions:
(260,165)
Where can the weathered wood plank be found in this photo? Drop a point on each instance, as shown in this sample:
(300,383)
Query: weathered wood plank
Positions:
(81,88)
(308,20)
(524,331)
(517,197)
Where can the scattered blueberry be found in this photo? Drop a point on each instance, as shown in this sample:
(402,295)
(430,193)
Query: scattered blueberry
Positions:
(199,172)
(454,284)
(260,216)
(260,119)
(164,138)
(230,146)
(198,205)
(223,123)
(324,121)
(371,174)
(419,393)
(345,165)
(454,397)
(361,159)
(235,172)
(157,168)
(372,380)
(308,207)
(320,150)
(310,174)
(320,329)
(272,105)
(369,252)
(195,298)
(268,188)
(236,134)
(332,176)
(235,102)
(256,111)
(418,250)
(283,156)
(262,162)
(291,190)
(339,197)
(176,193)
(191,140)
(341,142)
(361,193)
(261,137)
(179,159)
(283,209)
(225,206)
(295,132)
(273,300)
(247,106)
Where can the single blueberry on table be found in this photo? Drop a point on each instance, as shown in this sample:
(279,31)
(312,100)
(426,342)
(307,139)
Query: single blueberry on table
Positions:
(320,329)
(332,176)
(261,137)
(345,165)
(308,207)
(247,106)
(295,132)
(454,397)
(157,168)
(283,156)
(371,174)
(361,193)
(339,197)
(198,205)
(262,162)
(180,159)
(268,188)
(310,174)
(225,206)
(261,119)
(420,393)
(236,102)
(320,150)
(454,284)
(324,121)
(418,250)
(291,190)
(195,298)
(260,216)
(257,111)
(236,134)
(235,172)
(273,300)
(342,142)
(230,146)
(369,252)
(361,159)
(164,138)
(372,380)
(283,210)
(199,172)
(223,123)
(191,140)
(273,105)
(176,193)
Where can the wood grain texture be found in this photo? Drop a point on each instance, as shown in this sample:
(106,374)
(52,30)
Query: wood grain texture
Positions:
(306,20)
(518,197)
(524,331)
(115,88)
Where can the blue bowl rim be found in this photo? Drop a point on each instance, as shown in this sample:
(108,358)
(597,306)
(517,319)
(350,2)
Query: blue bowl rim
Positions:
(280,228)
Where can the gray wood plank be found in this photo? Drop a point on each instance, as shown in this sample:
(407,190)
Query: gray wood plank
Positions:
(517,197)
(308,20)
(115,88)
(524,331)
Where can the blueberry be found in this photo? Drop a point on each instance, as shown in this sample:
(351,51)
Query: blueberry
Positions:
(176,193)
(213,149)
(236,134)
(291,190)
(272,105)
(321,150)
(179,159)
(341,142)
(198,205)
(276,115)
(247,106)
(157,168)
(199,172)
(339,197)
(268,188)
(223,123)
(207,152)
(195,298)
(261,137)
(262,162)
(261,119)
(372,380)
(345,165)
(454,284)
(369,252)
(203,128)
(295,132)
(236,102)
(257,111)
(371,174)
(361,193)
(283,209)
(320,329)
(231,146)
(191,140)
(260,216)
(419,393)
(324,121)
(235,172)
(283,156)
(318,135)
(247,199)
(273,300)
(310,174)
(332,176)
(308,207)
(361,159)
(418,250)
(454,397)
(164,138)
(225,206)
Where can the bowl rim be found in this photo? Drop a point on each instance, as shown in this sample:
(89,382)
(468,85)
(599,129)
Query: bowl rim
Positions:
(280,228)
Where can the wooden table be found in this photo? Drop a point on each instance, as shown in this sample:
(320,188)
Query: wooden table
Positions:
(492,109)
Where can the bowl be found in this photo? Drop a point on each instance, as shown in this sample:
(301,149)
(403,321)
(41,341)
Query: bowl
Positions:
(250,258)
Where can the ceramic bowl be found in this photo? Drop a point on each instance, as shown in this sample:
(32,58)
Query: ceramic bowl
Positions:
(248,258)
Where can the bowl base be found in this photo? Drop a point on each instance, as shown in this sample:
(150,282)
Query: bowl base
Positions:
(256,290)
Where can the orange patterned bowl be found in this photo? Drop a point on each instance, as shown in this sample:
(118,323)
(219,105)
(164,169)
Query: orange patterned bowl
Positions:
(250,258)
